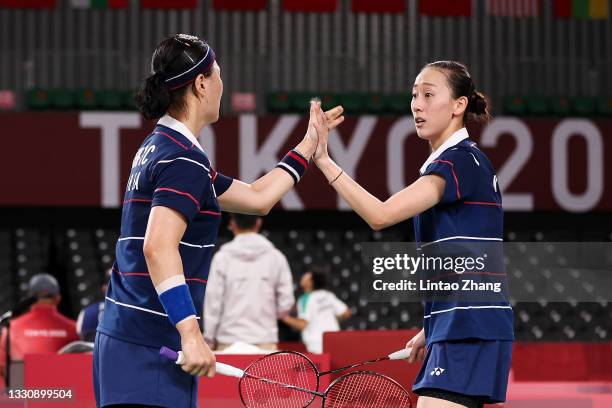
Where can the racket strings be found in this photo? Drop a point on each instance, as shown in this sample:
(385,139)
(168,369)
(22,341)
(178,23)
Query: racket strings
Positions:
(284,368)
(366,390)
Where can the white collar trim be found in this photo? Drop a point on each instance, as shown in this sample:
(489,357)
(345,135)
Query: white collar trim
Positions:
(455,138)
(179,127)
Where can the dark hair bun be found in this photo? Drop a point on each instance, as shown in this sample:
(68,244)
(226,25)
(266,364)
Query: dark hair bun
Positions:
(153,97)
(479,104)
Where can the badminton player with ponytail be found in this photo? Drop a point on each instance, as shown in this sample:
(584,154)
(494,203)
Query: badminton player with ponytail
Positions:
(466,348)
(170,218)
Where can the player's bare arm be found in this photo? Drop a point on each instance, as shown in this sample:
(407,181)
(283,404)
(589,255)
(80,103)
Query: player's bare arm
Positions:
(421,195)
(165,229)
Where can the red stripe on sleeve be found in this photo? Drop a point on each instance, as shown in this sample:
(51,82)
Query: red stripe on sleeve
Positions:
(137,200)
(210,213)
(181,193)
(454,175)
(482,203)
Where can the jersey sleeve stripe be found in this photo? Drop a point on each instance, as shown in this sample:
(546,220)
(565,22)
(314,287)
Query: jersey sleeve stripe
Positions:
(137,200)
(186,159)
(192,198)
(216,213)
(482,203)
(454,175)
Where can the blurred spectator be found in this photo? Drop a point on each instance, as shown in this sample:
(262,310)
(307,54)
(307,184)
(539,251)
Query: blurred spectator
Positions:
(319,310)
(41,330)
(249,287)
(88,319)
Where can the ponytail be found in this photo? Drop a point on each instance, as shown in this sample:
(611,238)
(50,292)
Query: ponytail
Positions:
(478,108)
(153,97)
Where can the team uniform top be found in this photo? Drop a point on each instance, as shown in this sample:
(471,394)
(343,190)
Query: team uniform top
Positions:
(171,170)
(470,210)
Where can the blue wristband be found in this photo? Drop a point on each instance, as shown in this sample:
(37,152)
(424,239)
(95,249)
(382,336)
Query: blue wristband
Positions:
(294,164)
(177,303)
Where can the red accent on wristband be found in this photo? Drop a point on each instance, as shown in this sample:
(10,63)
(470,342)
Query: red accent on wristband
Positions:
(299,158)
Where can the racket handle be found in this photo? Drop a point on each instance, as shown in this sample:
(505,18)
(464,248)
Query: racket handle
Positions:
(223,369)
(228,370)
(401,354)
(176,356)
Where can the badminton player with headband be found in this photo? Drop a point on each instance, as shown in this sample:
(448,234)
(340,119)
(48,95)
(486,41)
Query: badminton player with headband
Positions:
(170,218)
(467,348)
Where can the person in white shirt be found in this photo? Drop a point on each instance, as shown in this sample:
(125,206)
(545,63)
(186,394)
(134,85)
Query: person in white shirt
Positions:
(249,287)
(319,310)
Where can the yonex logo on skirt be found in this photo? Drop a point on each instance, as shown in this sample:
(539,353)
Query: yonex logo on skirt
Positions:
(437,371)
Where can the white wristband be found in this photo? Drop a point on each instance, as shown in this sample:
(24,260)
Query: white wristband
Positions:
(171,282)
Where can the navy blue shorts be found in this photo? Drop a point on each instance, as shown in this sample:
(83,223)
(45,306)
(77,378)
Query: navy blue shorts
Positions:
(128,373)
(473,367)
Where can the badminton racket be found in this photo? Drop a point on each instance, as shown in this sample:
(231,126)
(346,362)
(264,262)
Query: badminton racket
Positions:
(290,379)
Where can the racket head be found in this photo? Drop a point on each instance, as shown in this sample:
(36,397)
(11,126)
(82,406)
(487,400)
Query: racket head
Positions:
(288,367)
(366,389)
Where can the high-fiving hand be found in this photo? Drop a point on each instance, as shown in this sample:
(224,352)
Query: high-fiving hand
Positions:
(321,123)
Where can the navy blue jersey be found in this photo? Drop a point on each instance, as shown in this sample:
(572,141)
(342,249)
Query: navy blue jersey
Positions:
(171,170)
(470,210)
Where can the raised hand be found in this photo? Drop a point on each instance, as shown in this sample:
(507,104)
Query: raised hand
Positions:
(334,117)
(308,145)
(323,122)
